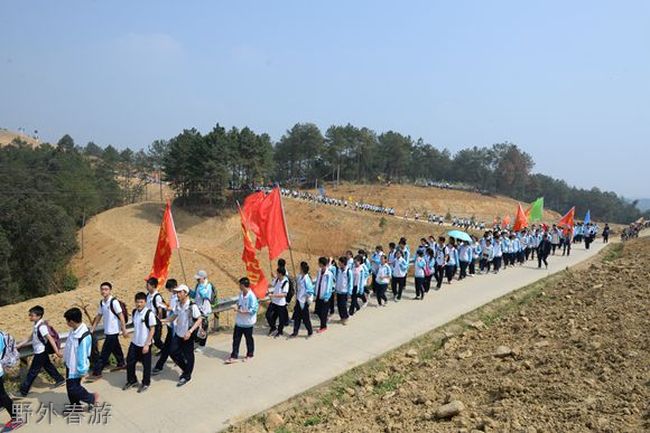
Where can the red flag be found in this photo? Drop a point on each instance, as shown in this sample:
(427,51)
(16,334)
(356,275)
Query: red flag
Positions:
(521,220)
(253,268)
(567,220)
(251,211)
(527,212)
(167,241)
(506,221)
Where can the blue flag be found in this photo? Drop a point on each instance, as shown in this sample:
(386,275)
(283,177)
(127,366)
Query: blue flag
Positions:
(588,216)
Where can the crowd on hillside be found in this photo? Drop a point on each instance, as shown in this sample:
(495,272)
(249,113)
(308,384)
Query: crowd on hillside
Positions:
(175,323)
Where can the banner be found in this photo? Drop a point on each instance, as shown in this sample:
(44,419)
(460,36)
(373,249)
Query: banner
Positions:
(567,219)
(265,216)
(167,241)
(537,210)
(259,284)
(521,221)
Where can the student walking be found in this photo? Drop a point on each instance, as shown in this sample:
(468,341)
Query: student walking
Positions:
(43,345)
(76,354)
(247,306)
(543,251)
(343,288)
(5,400)
(144,327)
(167,348)
(359,278)
(156,304)
(113,318)
(398,279)
(383,279)
(324,282)
(304,298)
(440,253)
(277,311)
(186,317)
(204,294)
(420,264)
(451,259)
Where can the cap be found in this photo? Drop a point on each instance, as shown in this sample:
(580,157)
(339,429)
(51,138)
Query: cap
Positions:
(201,274)
(182,288)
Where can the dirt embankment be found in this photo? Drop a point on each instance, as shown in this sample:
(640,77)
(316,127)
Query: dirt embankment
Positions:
(568,354)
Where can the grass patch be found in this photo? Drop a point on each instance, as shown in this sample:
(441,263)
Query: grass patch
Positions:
(391,384)
(613,252)
(312,420)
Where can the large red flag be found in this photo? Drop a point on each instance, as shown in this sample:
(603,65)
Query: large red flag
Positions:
(251,211)
(167,241)
(253,268)
(521,220)
(567,220)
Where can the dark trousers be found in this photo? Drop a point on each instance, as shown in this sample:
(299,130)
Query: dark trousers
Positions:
(497,264)
(247,332)
(472,267)
(541,258)
(5,400)
(397,286)
(553,247)
(301,315)
(322,311)
(40,361)
(427,283)
(354,302)
(566,249)
(485,265)
(439,273)
(332,303)
(588,241)
(76,392)
(183,355)
(342,305)
(450,271)
(166,349)
(532,253)
(419,286)
(134,356)
(463,269)
(277,313)
(157,336)
(381,293)
(111,346)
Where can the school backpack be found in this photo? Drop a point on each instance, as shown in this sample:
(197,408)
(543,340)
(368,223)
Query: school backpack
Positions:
(213,295)
(84,335)
(46,342)
(146,317)
(10,355)
(292,290)
(153,306)
(125,312)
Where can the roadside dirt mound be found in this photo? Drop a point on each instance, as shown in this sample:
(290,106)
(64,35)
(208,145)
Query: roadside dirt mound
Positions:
(6,137)
(571,354)
(435,200)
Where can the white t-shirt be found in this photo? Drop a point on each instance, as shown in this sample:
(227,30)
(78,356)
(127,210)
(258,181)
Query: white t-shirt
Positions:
(280,285)
(39,328)
(182,322)
(173,301)
(110,319)
(157,299)
(140,329)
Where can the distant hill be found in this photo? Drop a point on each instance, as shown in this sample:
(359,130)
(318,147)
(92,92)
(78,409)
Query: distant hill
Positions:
(7,136)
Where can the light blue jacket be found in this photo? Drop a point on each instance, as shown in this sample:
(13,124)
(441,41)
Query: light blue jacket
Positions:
(249,303)
(344,281)
(326,280)
(76,353)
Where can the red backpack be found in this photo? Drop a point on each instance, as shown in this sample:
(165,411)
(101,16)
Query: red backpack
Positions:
(46,342)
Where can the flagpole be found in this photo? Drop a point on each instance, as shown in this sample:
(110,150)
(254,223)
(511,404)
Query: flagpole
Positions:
(286,230)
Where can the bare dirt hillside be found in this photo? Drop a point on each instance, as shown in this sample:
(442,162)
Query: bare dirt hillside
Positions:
(6,137)
(568,354)
(435,200)
(119,245)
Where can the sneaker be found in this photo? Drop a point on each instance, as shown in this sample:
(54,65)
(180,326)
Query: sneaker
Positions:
(365,304)
(93,377)
(156,371)
(344,322)
(271,331)
(143,388)
(278,334)
(182,381)
(129,385)
(118,368)
(248,358)
(59,384)
(293,335)
(320,331)
(230,361)
(96,397)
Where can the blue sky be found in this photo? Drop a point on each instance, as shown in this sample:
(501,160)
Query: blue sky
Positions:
(567,81)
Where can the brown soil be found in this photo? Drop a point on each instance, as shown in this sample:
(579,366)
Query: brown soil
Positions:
(6,137)
(568,354)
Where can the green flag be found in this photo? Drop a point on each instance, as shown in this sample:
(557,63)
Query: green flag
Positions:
(537,209)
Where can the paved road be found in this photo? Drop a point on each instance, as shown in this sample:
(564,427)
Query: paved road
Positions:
(220,395)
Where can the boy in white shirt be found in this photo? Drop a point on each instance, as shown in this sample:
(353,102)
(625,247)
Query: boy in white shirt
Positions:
(43,344)
(167,348)
(113,320)
(186,317)
(245,320)
(144,326)
(277,310)
(76,355)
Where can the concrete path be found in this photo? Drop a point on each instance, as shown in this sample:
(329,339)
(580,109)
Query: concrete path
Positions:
(220,395)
